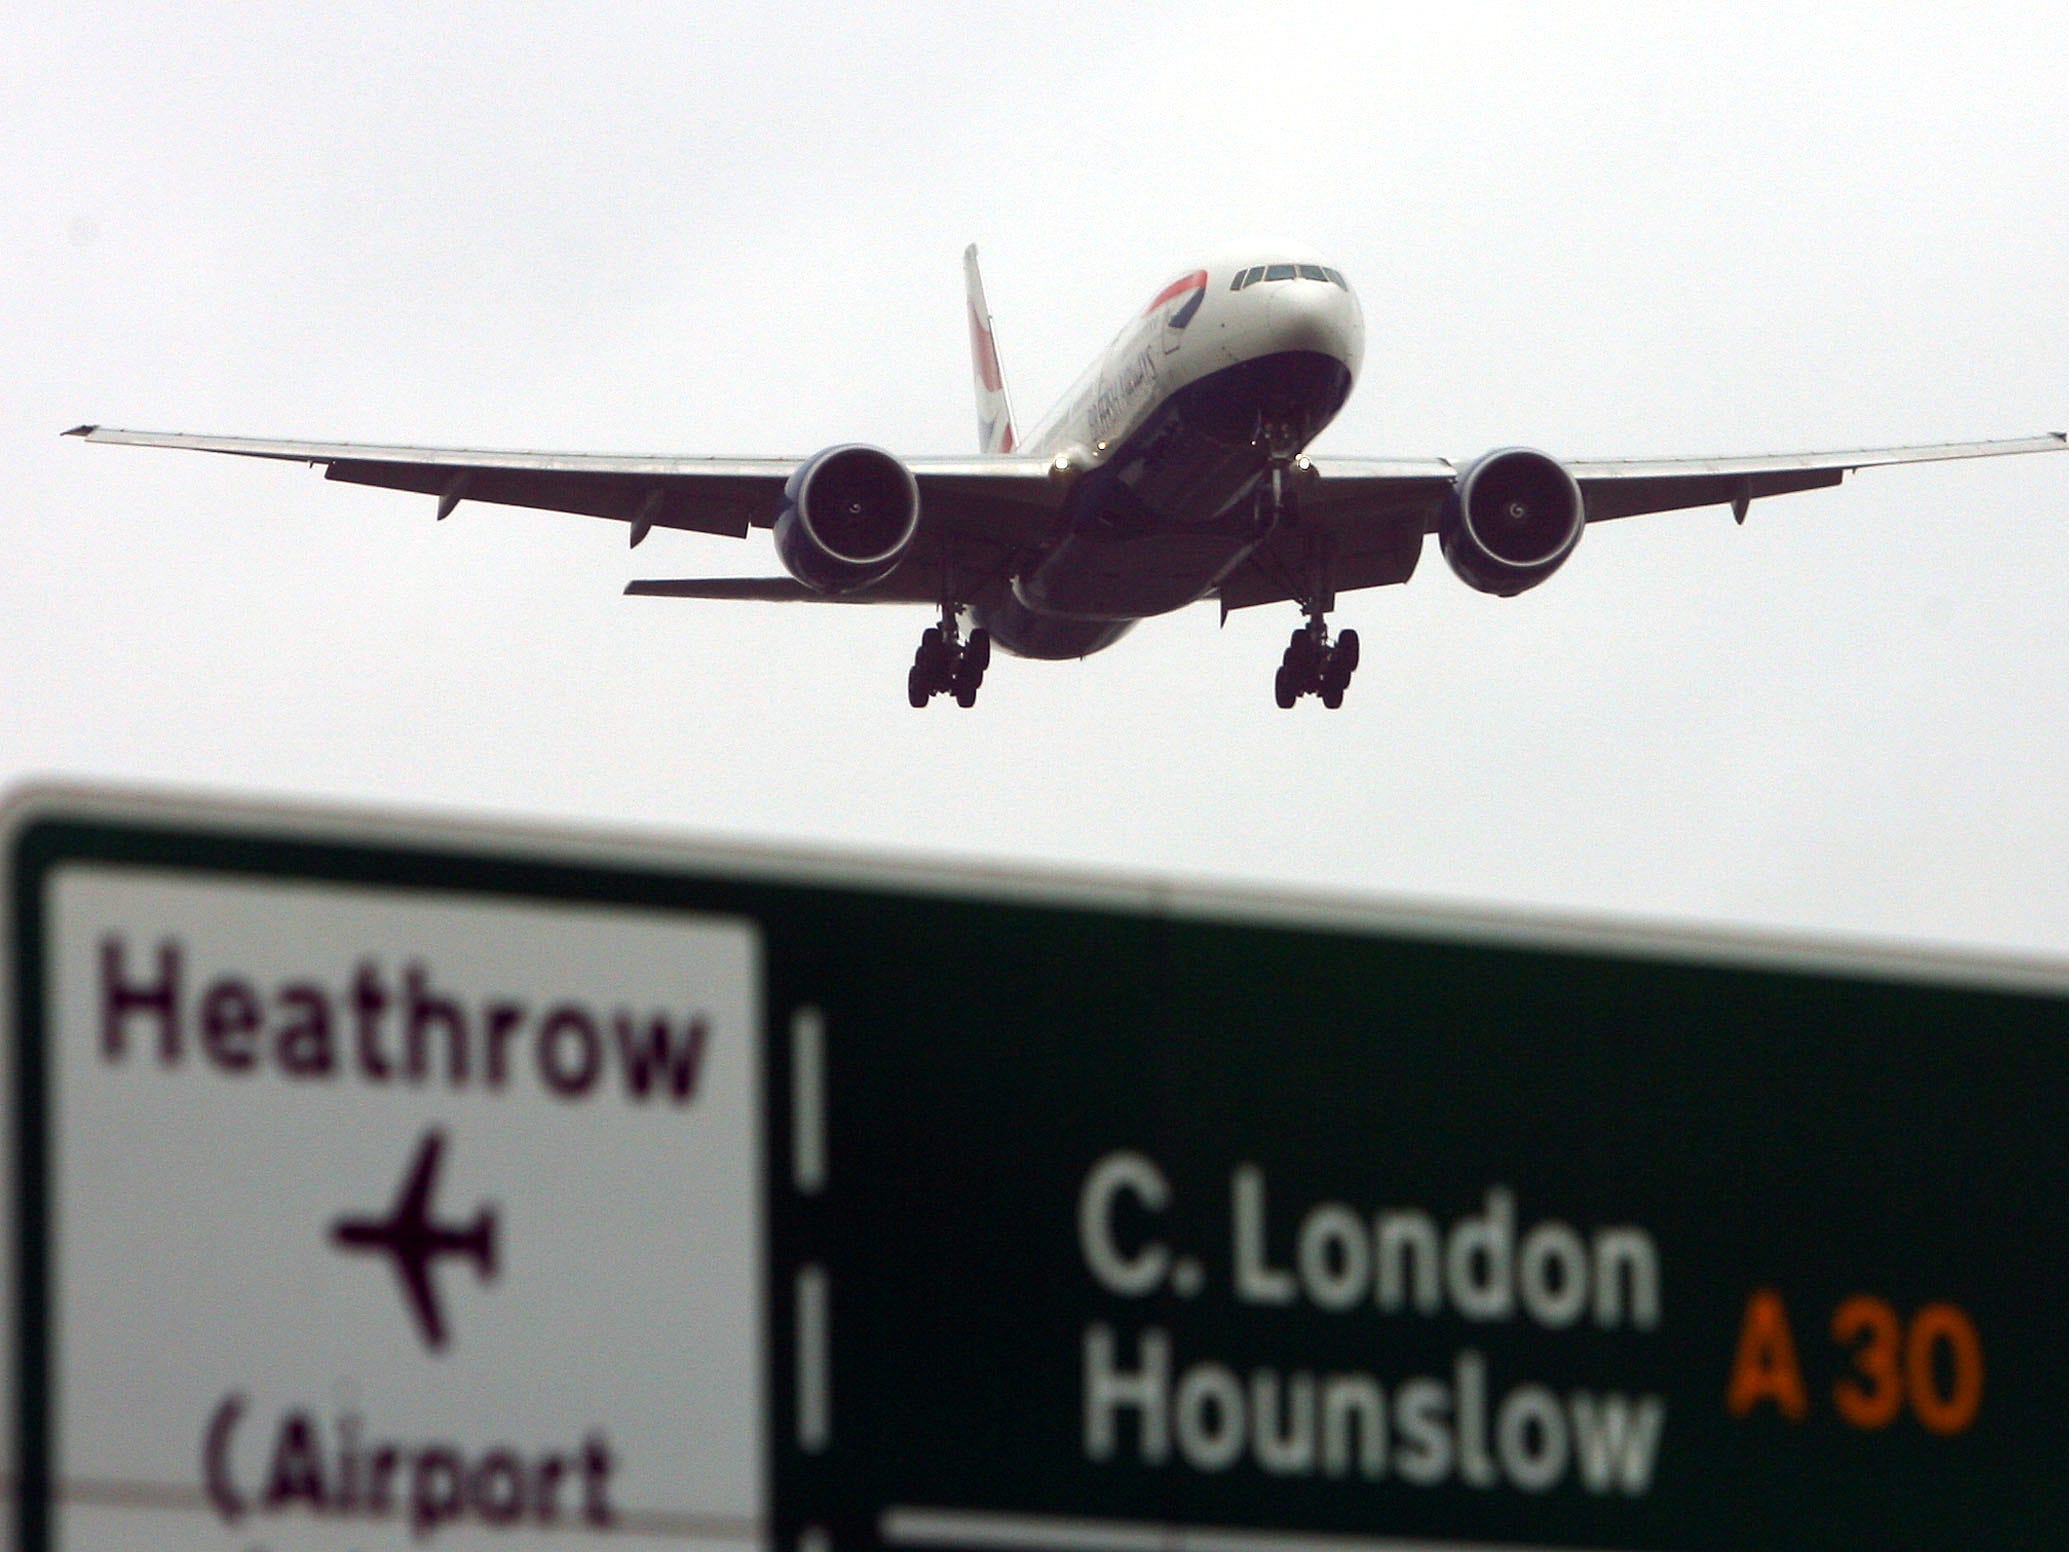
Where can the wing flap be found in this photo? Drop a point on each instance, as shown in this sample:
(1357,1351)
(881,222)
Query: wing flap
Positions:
(1844,459)
(1369,516)
(1625,487)
(1350,502)
(449,458)
(1629,495)
(767,590)
(722,504)
(938,568)
(1373,512)
(1361,491)
(1369,557)
(1011,501)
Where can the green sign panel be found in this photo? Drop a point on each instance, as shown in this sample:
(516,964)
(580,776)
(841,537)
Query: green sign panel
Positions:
(565,1189)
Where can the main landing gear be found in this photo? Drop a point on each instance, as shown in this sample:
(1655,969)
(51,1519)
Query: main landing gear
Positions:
(947,665)
(1314,665)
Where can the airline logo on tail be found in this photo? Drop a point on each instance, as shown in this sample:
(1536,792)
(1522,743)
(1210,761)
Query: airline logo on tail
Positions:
(994,415)
(994,404)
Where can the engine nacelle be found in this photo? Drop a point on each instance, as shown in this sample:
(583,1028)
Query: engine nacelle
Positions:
(1511,521)
(849,515)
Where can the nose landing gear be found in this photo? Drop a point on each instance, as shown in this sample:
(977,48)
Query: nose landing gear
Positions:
(1315,665)
(947,665)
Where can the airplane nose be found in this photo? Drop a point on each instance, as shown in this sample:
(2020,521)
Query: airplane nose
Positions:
(1317,316)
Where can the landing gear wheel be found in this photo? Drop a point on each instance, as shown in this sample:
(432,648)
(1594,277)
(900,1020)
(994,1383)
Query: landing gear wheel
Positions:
(944,665)
(968,673)
(1314,665)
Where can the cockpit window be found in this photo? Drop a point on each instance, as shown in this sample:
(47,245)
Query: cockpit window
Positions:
(1257,272)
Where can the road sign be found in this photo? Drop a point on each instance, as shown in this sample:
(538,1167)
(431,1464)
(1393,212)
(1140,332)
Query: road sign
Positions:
(390,1185)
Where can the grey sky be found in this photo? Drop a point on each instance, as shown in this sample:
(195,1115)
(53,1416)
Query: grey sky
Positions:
(1596,229)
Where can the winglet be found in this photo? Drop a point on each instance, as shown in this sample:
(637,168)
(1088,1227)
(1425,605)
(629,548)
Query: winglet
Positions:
(995,432)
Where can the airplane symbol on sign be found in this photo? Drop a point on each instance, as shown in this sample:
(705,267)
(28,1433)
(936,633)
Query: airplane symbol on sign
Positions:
(409,1235)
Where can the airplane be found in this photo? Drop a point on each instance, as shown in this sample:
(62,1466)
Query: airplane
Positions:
(414,1241)
(1176,471)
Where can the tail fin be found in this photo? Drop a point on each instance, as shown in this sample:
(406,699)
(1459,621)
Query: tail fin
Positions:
(995,432)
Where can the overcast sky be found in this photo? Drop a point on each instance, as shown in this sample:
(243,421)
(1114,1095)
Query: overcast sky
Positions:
(1598,229)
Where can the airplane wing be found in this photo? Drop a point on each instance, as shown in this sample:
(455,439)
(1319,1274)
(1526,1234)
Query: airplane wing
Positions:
(1375,512)
(975,513)
(984,501)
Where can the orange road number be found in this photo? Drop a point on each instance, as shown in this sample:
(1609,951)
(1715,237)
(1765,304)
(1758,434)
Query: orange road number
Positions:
(1932,1363)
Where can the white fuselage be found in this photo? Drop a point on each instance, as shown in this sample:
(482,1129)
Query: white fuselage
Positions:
(1150,359)
(1168,437)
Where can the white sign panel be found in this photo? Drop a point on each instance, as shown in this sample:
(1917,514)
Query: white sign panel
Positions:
(389,1218)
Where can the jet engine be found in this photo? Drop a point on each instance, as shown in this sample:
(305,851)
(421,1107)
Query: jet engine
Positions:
(849,515)
(1511,521)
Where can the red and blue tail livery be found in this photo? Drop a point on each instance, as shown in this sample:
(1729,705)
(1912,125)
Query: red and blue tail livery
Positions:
(994,408)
